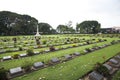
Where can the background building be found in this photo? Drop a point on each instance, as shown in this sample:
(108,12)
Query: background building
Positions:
(114,29)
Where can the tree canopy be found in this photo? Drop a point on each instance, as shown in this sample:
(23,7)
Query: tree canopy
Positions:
(88,27)
(45,28)
(17,24)
(65,28)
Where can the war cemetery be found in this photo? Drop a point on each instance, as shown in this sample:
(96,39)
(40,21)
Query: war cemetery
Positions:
(35,51)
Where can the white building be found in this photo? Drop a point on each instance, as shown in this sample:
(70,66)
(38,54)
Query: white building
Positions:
(116,29)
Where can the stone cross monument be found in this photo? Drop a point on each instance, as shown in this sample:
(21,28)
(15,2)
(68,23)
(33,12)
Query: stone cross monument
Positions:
(37,33)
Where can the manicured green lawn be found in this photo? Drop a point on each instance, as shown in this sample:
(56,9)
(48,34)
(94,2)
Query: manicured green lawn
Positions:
(39,49)
(75,68)
(70,70)
(45,57)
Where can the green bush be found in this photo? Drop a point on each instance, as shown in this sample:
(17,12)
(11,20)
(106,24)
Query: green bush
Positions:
(105,39)
(117,76)
(87,42)
(25,42)
(4,47)
(30,52)
(102,69)
(47,45)
(27,65)
(113,42)
(32,42)
(99,40)
(44,42)
(14,39)
(15,45)
(74,45)
(3,75)
(20,48)
(52,48)
(15,56)
(38,41)
(87,49)
(65,42)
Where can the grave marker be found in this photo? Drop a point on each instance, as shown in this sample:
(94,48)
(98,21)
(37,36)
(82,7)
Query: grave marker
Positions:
(23,55)
(77,53)
(95,76)
(7,57)
(38,64)
(54,60)
(36,52)
(108,67)
(113,61)
(68,56)
(15,70)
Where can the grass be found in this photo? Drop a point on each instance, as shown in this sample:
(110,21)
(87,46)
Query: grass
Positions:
(39,49)
(117,76)
(44,57)
(70,71)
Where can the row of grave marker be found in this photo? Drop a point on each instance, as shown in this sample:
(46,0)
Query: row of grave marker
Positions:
(112,65)
(38,65)
(9,46)
(35,47)
(25,55)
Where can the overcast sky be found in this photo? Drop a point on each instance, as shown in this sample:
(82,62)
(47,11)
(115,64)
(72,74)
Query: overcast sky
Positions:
(55,12)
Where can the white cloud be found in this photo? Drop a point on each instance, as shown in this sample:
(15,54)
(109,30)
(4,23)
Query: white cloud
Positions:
(57,12)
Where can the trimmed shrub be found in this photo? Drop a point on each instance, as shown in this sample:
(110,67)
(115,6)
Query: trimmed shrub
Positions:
(15,40)
(20,48)
(39,46)
(87,49)
(105,39)
(71,39)
(30,52)
(47,44)
(87,42)
(27,66)
(102,69)
(113,42)
(74,45)
(99,40)
(32,42)
(83,39)
(52,48)
(4,47)
(65,42)
(44,42)
(3,75)
(37,41)
(68,40)
(15,56)
(15,45)
(25,42)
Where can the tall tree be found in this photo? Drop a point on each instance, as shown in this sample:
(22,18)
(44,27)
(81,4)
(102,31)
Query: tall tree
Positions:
(15,24)
(88,27)
(45,28)
(65,29)
(61,28)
